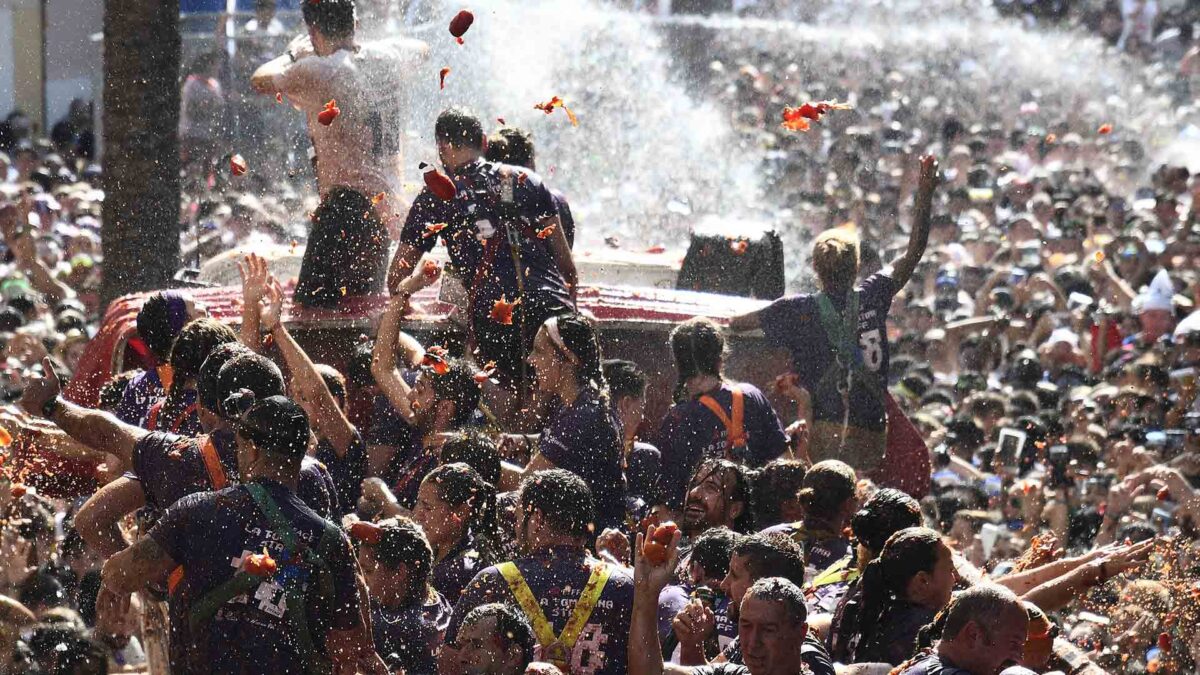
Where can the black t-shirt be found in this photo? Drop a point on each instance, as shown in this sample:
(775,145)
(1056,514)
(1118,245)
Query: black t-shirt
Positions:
(585,439)
(209,534)
(407,638)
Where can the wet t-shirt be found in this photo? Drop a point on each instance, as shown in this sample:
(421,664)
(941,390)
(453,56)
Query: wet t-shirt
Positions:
(822,548)
(348,471)
(363,147)
(452,573)
(794,323)
(726,628)
(827,589)
(170,467)
(691,433)
(564,215)
(408,637)
(475,238)
(585,439)
(209,534)
(143,391)
(556,577)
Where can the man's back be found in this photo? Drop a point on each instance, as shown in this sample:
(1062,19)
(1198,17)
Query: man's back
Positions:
(557,577)
(209,535)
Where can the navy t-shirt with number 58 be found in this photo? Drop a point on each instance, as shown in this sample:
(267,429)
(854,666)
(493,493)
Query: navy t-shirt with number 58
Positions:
(794,322)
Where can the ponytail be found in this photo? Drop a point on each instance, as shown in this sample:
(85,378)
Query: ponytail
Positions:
(885,580)
(579,337)
(698,346)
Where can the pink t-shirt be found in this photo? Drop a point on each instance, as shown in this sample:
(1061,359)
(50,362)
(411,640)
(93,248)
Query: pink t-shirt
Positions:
(362,148)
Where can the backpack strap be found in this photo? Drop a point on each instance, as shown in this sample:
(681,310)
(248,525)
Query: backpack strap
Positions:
(735,428)
(557,650)
(182,417)
(212,463)
(295,611)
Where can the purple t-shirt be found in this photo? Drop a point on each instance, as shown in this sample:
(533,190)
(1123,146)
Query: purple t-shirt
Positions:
(408,470)
(170,467)
(141,392)
(691,433)
(474,218)
(348,471)
(585,439)
(794,322)
(407,638)
(209,534)
(556,577)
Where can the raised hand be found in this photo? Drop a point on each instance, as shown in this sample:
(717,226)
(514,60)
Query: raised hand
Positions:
(255,276)
(272,305)
(648,572)
(40,390)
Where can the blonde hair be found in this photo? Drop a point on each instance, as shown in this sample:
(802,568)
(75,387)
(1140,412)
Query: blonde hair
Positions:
(835,258)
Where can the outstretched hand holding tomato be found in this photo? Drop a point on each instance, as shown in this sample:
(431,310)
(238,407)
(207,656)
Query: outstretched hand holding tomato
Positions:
(656,553)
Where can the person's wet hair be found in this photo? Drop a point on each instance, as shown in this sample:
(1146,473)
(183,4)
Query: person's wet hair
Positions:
(835,259)
(195,342)
(564,500)
(159,321)
(459,127)
(887,512)
(987,605)
(208,394)
(713,549)
(580,337)
(458,386)
(401,542)
(511,627)
(698,347)
(252,372)
(742,489)
(459,484)
(511,145)
(775,483)
(776,555)
(475,449)
(332,18)
(783,591)
(624,378)
(827,485)
(334,381)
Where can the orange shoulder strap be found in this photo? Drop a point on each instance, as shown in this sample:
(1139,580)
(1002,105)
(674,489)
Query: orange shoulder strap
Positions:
(735,429)
(212,462)
(152,416)
(178,423)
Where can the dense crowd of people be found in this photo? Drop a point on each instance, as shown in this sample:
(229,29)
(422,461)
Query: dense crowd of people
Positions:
(992,463)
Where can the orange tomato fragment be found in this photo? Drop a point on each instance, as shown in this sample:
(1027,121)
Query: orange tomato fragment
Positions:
(545,232)
(5,438)
(260,564)
(442,77)
(801,117)
(502,311)
(557,102)
(329,113)
(434,228)
(367,533)
(739,247)
(1105,129)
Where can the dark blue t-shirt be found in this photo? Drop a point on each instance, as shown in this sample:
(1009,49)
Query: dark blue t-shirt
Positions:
(691,433)
(181,418)
(143,391)
(794,323)
(209,534)
(557,577)
(452,573)
(643,473)
(564,215)
(407,638)
(170,467)
(408,469)
(585,439)
(474,218)
(821,548)
(348,471)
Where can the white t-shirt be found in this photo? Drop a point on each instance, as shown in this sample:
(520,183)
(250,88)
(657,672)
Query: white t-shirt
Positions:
(362,148)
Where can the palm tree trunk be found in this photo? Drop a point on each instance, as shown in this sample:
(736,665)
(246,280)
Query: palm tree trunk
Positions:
(141,145)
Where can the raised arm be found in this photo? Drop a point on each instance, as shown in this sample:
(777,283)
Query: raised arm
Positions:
(254,272)
(649,579)
(383,357)
(99,517)
(266,80)
(330,421)
(406,260)
(1059,592)
(93,428)
(903,268)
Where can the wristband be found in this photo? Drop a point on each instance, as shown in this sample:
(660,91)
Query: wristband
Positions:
(291,55)
(50,407)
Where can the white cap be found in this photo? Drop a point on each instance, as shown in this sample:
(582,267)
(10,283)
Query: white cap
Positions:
(1063,335)
(1157,295)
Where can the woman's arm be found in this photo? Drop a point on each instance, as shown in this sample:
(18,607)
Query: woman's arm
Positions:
(329,422)
(254,273)
(98,518)
(903,268)
(389,338)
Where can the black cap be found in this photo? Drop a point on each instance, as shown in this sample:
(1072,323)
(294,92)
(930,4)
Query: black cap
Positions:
(276,424)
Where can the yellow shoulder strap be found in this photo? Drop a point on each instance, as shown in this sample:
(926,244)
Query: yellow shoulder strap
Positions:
(528,603)
(533,611)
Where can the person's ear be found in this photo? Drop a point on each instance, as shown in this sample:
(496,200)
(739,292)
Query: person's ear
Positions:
(736,509)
